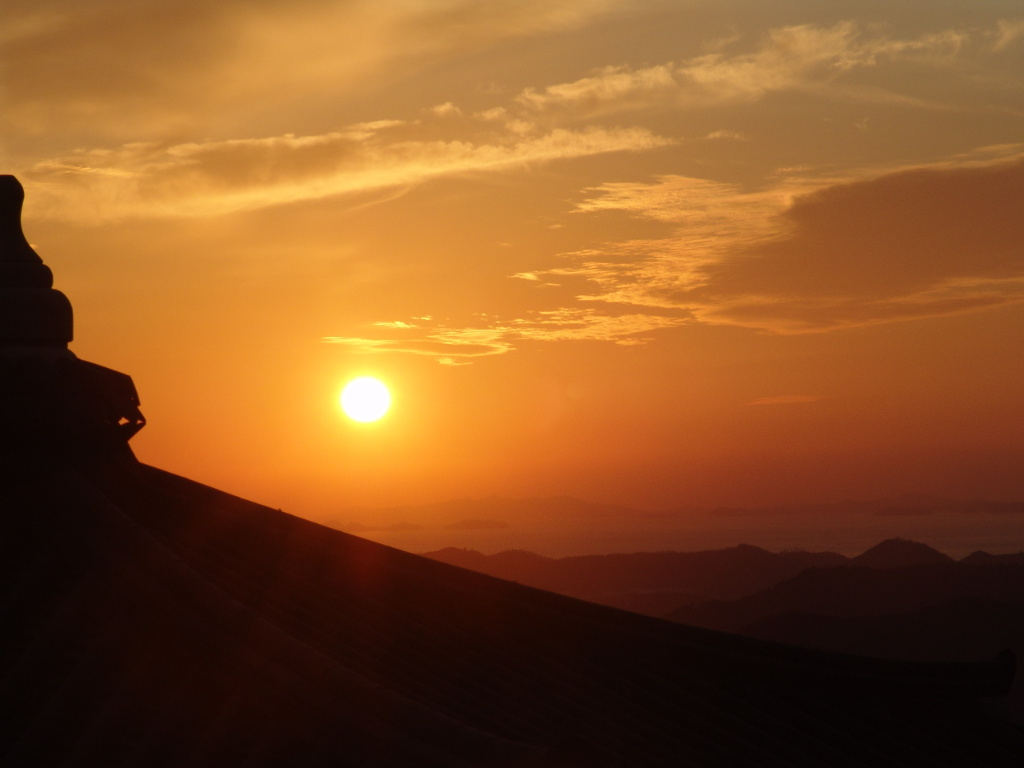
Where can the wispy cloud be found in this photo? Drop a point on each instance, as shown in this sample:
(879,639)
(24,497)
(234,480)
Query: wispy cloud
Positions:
(609,85)
(813,255)
(214,178)
(1009,34)
(808,255)
(460,346)
(725,134)
(791,253)
(787,58)
(711,221)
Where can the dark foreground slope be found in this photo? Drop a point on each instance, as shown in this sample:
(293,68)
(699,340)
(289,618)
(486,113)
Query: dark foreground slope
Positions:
(934,609)
(148,620)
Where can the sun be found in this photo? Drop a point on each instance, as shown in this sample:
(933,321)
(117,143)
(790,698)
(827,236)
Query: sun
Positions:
(365,399)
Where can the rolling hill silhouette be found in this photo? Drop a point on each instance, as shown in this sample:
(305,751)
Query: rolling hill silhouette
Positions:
(900,553)
(148,620)
(653,583)
(860,591)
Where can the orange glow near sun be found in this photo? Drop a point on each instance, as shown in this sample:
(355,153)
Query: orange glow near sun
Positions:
(365,399)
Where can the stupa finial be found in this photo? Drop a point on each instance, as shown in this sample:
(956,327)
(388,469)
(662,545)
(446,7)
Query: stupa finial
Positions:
(32,313)
(51,403)
(13,245)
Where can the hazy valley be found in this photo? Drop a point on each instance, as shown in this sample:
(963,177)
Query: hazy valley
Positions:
(566,526)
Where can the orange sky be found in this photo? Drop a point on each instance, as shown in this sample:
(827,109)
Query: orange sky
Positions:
(644,252)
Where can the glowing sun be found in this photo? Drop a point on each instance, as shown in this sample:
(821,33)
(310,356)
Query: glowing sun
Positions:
(365,399)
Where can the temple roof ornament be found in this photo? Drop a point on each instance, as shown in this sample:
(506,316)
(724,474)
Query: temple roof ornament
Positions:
(32,312)
(50,401)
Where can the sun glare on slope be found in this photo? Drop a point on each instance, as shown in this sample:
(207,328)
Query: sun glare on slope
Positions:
(365,399)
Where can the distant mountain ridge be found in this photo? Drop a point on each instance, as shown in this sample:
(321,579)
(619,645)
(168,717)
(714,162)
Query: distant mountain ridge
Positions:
(900,553)
(646,582)
(657,582)
(567,526)
(899,599)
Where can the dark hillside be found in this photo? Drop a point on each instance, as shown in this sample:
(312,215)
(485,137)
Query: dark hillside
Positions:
(859,591)
(946,612)
(965,628)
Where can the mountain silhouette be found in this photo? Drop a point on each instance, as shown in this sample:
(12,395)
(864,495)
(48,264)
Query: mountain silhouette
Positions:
(646,582)
(984,558)
(859,591)
(900,553)
(148,620)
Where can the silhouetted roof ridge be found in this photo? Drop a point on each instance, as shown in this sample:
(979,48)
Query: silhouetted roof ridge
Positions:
(363,652)
(958,679)
(280,664)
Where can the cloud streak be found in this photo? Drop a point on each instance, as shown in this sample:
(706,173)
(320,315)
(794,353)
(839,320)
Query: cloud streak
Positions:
(801,57)
(805,256)
(216,178)
(904,245)
(460,346)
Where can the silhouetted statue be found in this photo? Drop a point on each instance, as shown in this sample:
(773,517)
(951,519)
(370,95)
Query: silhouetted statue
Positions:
(50,401)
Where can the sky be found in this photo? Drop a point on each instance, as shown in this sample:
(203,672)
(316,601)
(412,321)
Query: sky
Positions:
(642,252)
